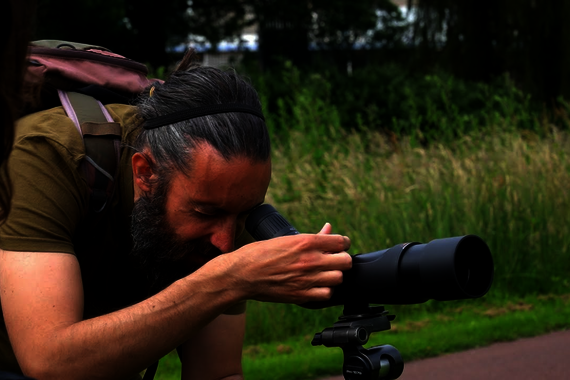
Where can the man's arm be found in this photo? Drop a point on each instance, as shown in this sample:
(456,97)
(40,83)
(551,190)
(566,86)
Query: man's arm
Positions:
(214,353)
(42,301)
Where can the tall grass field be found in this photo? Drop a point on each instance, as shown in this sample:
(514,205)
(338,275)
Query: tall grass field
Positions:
(507,184)
(510,188)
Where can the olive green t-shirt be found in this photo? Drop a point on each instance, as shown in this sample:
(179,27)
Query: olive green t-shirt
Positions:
(50,213)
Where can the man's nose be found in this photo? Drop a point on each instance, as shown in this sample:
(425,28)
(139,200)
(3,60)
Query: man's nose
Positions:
(224,235)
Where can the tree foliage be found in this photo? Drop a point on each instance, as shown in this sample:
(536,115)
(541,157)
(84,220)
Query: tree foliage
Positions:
(289,29)
(474,39)
(144,29)
(361,24)
(216,20)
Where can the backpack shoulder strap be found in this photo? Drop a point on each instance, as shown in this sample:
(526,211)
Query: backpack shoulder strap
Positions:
(101,136)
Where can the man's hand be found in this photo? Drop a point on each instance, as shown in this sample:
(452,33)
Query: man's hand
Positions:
(292,269)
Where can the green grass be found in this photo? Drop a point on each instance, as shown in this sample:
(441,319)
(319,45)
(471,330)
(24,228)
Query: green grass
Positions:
(509,188)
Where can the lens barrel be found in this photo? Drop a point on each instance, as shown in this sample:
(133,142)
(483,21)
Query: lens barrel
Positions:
(444,269)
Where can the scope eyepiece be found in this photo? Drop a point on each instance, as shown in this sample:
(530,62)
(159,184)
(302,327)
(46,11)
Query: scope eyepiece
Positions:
(264,222)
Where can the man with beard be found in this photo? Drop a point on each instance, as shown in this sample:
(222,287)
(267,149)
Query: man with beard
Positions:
(167,264)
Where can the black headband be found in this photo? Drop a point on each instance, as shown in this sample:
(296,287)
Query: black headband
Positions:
(192,113)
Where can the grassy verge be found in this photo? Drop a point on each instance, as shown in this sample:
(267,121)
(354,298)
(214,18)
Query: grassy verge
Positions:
(424,335)
(459,327)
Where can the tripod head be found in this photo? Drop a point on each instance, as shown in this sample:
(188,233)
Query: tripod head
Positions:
(350,332)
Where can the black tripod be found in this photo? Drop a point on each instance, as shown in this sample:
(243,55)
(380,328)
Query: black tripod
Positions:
(350,332)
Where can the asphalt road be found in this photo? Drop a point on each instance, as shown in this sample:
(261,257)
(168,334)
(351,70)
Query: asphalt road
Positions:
(542,357)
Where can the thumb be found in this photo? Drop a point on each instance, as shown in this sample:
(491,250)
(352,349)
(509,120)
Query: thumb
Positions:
(326,230)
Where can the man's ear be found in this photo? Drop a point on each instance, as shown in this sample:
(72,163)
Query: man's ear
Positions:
(143,176)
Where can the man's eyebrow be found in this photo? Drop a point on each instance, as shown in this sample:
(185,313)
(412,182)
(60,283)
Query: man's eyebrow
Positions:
(205,205)
(193,202)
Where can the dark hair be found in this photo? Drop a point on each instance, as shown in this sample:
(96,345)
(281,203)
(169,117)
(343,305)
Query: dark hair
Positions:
(15,28)
(232,134)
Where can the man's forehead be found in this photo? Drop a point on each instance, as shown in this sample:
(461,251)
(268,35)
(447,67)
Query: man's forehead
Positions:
(233,185)
(206,158)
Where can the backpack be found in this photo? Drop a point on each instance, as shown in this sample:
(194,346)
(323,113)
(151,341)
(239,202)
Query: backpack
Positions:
(82,78)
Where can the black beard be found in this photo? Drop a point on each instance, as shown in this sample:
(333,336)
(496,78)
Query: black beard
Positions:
(159,250)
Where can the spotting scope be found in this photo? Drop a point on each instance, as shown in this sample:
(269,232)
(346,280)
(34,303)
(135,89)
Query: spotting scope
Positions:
(446,269)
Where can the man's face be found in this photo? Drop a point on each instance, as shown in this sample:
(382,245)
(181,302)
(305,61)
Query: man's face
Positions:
(178,229)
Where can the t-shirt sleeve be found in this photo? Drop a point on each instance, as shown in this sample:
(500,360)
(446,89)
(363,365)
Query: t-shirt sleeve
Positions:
(49,197)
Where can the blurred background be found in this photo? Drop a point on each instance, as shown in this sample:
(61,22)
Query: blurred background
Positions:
(395,121)
(375,54)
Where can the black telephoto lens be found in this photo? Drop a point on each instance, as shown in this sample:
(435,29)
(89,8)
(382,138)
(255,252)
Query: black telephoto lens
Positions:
(446,269)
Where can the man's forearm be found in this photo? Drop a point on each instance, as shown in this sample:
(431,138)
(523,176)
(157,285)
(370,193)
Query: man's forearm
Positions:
(125,342)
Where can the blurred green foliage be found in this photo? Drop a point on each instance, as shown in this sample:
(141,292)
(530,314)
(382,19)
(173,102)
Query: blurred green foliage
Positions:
(389,99)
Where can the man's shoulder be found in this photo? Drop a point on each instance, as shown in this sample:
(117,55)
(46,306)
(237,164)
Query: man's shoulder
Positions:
(55,127)
(128,117)
(50,126)
(46,122)
(122,112)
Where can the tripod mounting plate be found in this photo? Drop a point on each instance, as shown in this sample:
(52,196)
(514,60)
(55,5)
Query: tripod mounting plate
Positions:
(354,328)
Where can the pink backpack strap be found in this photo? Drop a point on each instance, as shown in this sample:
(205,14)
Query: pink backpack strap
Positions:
(101,136)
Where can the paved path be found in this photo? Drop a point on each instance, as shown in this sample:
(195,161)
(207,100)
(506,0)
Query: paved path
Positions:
(542,357)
